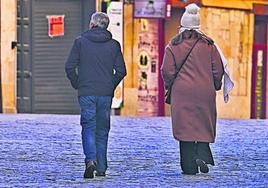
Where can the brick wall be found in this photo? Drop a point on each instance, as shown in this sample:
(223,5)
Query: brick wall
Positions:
(232,30)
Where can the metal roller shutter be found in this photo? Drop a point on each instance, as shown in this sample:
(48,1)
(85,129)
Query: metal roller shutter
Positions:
(52,92)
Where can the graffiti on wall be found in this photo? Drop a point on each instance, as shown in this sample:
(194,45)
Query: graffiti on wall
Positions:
(148,67)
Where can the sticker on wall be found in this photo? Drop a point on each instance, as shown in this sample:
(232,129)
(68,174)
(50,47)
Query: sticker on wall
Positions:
(144,63)
(147,60)
(55,25)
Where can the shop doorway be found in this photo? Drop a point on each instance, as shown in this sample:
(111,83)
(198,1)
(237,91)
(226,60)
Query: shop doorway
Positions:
(259,69)
(42,86)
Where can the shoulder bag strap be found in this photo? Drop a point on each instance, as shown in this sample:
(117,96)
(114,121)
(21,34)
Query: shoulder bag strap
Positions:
(187,56)
(177,71)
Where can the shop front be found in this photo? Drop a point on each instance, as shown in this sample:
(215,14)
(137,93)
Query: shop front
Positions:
(232,25)
(46,30)
(151,25)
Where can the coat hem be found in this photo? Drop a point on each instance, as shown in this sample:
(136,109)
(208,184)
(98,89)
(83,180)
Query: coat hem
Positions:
(194,140)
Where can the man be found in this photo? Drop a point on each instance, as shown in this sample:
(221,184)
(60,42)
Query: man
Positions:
(95,67)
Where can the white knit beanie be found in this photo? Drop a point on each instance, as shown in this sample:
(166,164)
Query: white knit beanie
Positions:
(191,17)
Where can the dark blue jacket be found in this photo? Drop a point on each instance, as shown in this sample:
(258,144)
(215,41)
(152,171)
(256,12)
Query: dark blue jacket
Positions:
(99,63)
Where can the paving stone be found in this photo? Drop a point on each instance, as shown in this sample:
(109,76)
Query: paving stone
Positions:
(46,151)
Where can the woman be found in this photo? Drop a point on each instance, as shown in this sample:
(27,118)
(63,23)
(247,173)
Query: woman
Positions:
(193,68)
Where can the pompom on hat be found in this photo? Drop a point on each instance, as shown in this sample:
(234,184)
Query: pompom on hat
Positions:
(191,17)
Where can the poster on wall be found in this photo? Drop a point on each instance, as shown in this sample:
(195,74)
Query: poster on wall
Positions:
(150,8)
(148,62)
(55,25)
(115,13)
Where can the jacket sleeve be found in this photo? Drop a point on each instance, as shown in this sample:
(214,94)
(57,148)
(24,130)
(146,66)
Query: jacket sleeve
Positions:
(119,67)
(217,68)
(168,68)
(72,63)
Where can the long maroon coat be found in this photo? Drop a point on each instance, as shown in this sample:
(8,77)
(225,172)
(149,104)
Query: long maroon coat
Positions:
(193,94)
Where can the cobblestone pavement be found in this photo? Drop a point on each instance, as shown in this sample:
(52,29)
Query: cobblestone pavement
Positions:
(46,151)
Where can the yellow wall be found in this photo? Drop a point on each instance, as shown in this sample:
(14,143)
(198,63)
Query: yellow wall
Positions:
(232,30)
(8,27)
(130,82)
(233,4)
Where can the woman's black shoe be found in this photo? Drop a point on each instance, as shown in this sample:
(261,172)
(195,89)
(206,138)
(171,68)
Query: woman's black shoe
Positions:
(203,166)
(188,173)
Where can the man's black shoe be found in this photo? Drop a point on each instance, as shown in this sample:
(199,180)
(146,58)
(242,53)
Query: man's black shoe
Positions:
(100,174)
(90,168)
(203,166)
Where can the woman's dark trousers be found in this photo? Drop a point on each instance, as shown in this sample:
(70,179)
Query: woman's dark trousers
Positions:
(190,151)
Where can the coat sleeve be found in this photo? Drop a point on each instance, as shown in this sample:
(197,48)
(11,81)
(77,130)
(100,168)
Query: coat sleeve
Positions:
(168,68)
(72,63)
(119,67)
(217,68)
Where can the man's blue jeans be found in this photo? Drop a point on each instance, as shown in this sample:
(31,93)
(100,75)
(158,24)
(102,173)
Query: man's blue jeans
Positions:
(95,122)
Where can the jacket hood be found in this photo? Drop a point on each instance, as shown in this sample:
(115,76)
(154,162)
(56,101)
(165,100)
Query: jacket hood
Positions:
(97,34)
